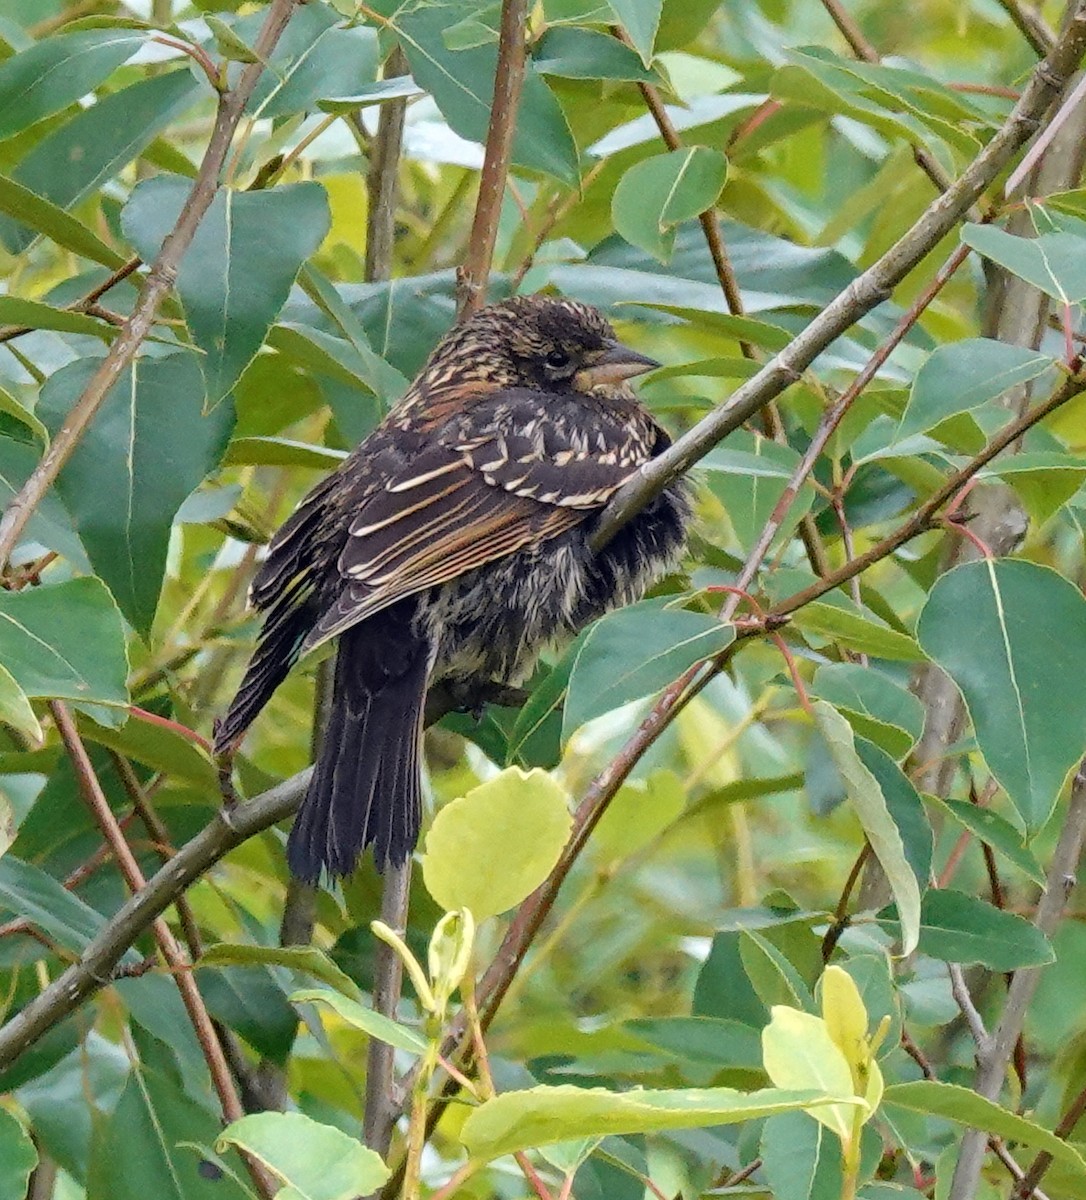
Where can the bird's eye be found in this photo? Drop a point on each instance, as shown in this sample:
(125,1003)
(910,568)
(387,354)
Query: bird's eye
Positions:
(557,359)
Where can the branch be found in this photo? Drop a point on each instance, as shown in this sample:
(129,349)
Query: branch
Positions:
(992,1058)
(179,967)
(508,84)
(865,292)
(158,282)
(383,178)
(1030,24)
(103,953)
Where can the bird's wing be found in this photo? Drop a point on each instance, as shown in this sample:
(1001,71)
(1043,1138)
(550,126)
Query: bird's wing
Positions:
(465,502)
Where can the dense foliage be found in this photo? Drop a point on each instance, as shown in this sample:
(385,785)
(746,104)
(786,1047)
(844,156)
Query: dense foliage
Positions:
(765,887)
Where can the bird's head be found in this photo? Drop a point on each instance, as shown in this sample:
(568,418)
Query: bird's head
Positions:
(546,343)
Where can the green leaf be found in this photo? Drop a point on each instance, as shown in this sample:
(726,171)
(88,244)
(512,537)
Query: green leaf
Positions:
(962,376)
(641,21)
(1012,636)
(1044,480)
(15,708)
(57,71)
(27,891)
(772,976)
(18,1156)
(50,525)
(587,54)
(144,1147)
(379,375)
(518,1120)
(99,141)
(339,62)
(281,452)
(728,326)
(950,1102)
(308,959)
(227,42)
(641,810)
(12,408)
(401,87)
(960,928)
(488,850)
(148,447)
(462,85)
(14,310)
(66,641)
(1053,262)
(1000,834)
(904,805)
(51,220)
(635,652)
(749,476)
(236,274)
(800,1159)
(860,633)
(159,747)
(874,705)
(658,193)
(372,1023)
(709,1041)
(315,1161)
(870,804)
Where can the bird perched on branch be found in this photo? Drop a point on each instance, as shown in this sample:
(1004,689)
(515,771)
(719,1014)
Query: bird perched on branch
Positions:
(453,544)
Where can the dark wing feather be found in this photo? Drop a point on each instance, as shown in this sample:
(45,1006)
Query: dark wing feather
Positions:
(463,502)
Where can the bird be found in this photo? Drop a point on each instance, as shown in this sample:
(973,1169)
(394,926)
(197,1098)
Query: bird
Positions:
(453,545)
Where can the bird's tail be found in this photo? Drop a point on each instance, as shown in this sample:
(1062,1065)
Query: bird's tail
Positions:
(366,789)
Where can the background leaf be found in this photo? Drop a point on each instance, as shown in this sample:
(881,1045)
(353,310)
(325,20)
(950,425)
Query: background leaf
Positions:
(237,272)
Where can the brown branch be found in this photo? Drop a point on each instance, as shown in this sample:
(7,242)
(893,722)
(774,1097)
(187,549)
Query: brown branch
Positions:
(1030,24)
(383,178)
(1027,1185)
(830,421)
(995,1052)
(924,518)
(179,966)
(158,282)
(866,52)
(865,292)
(86,304)
(508,84)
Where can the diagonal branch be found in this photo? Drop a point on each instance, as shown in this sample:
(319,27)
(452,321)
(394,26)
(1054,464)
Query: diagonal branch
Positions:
(158,282)
(175,960)
(865,292)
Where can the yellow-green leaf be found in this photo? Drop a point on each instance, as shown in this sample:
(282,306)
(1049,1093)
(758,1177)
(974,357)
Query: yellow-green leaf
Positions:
(488,850)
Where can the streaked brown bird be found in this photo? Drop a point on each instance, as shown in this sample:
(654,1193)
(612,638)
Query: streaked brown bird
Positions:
(453,544)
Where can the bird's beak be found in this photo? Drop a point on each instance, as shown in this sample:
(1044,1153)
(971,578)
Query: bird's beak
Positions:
(614,364)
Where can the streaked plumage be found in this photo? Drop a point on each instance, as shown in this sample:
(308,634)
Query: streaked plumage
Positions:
(452,544)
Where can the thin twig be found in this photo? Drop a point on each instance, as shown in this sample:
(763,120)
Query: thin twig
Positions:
(925,517)
(508,84)
(178,965)
(1031,25)
(964,999)
(866,52)
(869,288)
(1028,1181)
(157,283)
(833,417)
(996,1054)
